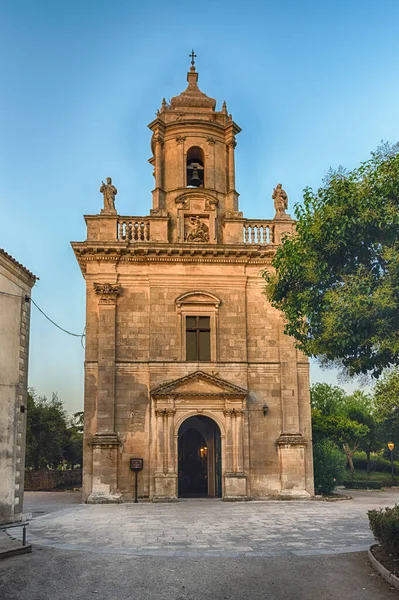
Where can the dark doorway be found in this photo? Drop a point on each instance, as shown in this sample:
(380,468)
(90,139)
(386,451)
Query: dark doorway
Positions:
(199,458)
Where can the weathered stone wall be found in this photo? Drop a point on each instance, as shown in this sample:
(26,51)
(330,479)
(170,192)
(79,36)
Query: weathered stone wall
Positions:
(52,479)
(14,350)
(250,340)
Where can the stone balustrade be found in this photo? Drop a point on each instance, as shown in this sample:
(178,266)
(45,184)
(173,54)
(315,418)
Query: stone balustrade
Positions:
(258,232)
(133,229)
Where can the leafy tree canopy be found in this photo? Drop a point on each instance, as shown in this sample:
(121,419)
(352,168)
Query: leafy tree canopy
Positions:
(337,279)
(51,438)
(329,399)
(386,395)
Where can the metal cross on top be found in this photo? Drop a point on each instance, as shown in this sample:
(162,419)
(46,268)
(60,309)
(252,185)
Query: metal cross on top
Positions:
(193,57)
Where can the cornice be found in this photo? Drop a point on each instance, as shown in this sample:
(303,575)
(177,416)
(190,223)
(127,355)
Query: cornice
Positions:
(18,269)
(172,253)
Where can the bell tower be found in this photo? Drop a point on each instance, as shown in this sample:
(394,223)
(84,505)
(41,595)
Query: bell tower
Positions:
(193,158)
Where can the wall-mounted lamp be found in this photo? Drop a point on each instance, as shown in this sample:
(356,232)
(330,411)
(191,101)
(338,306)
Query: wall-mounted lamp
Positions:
(265,410)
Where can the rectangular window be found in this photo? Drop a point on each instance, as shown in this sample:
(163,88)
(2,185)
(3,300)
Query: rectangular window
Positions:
(198,339)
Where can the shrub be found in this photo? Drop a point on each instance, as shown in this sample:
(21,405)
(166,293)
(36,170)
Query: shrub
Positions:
(377,462)
(385,526)
(329,466)
(358,484)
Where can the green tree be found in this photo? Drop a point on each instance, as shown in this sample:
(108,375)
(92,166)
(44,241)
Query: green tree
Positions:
(73,448)
(329,466)
(46,431)
(340,429)
(337,278)
(360,407)
(327,398)
(386,395)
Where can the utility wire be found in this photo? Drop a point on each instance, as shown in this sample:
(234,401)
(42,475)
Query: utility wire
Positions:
(51,321)
(28,299)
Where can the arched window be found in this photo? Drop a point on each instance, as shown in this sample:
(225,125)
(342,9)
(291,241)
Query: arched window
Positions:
(195,167)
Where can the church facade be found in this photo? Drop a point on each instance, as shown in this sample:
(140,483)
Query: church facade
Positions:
(187,365)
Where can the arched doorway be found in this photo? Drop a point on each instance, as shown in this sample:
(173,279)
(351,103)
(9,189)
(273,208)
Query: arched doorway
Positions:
(199,458)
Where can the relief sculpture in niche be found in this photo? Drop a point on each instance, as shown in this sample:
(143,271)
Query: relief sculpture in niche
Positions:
(198,232)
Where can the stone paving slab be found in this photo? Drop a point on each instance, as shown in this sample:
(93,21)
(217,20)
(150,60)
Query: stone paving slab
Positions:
(213,528)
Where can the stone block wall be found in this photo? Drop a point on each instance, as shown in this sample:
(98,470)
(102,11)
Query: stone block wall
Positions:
(15,283)
(52,479)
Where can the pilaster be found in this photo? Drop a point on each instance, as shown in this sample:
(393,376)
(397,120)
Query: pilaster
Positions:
(235,480)
(105,442)
(165,476)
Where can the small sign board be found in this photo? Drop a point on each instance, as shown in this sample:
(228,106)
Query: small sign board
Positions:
(136,464)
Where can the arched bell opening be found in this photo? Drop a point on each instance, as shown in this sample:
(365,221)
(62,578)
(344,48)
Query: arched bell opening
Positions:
(195,167)
(199,458)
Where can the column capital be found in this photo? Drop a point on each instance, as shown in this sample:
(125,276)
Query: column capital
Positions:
(233,412)
(158,139)
(165,412)
(107,292)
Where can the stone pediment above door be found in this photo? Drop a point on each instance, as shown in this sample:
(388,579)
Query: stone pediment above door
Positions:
(199,384)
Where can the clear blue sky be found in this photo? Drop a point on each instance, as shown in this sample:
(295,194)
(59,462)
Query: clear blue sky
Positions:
(312,84)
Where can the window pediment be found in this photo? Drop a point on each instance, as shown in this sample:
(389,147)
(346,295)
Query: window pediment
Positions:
(198,297)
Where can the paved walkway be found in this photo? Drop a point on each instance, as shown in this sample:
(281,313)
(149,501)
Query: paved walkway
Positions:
(213,528)
(106,569)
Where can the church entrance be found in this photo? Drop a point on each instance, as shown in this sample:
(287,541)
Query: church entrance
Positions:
(200,472)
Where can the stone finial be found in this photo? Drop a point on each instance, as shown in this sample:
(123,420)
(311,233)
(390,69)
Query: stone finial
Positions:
(280,198)
(109,192)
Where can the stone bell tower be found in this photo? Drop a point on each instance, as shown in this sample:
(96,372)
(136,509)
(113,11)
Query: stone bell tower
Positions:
(193,158)
(187,365)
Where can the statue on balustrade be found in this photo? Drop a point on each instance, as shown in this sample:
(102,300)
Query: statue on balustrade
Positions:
(199,232)
(280,198)
(109,192)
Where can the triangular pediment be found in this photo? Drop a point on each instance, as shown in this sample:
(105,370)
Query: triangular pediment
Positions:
(199,383)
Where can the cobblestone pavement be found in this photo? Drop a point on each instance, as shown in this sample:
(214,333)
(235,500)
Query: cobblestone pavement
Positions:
(214,528)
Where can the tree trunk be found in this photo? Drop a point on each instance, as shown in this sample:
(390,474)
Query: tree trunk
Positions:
(368,454)
(351,466)
(349,456)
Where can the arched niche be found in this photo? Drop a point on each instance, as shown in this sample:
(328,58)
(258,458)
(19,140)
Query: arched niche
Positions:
(195,167)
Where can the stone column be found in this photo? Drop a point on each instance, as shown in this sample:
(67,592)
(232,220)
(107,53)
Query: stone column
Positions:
(235,481)
(158,194)
(170,441)
(232,180)
(160,440)
(105,441)
(240,441)
(232,196)
(229,441)
(180,139)
(165,476)
(210,170)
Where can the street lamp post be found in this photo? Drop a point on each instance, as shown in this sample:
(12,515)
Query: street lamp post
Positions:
(391,446)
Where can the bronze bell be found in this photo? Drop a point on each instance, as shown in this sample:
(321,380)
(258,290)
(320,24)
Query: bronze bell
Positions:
(195,179)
